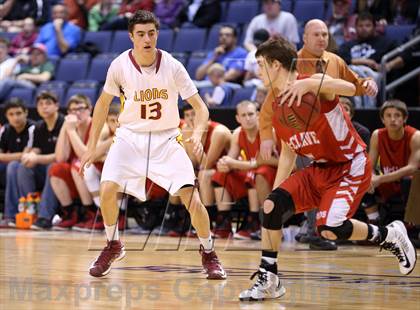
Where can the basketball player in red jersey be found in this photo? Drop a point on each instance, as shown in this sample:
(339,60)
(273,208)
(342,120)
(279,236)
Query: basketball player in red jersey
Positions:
(216,142)
(397,147)
(335,182)
(242,173)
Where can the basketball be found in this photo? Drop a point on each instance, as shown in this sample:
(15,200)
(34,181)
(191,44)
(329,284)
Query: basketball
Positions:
(300,117)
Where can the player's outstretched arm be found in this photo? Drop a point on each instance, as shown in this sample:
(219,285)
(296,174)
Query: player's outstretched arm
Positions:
(333,87)
(286,164)
(99,117)
(327,87)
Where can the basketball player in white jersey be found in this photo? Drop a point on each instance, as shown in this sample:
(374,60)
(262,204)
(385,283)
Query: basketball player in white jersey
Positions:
(148,82)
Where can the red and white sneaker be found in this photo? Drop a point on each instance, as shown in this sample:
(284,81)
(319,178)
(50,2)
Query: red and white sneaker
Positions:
(114,251)
(69,220)
(212,265)
(89,219)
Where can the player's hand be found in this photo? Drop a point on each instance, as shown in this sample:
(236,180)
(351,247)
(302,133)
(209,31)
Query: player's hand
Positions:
(266,148)
(374,183)
(371,88)
(198,149)
(222,166)
(86,160)
(295,90)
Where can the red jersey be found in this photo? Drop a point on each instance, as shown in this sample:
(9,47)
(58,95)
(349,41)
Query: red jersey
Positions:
(394,154)
(248,150)
(331,139)
(210,129)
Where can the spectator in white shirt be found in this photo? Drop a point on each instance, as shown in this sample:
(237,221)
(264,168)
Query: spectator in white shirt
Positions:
(277,22)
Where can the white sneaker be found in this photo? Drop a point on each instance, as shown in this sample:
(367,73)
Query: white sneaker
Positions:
(267,286)
(398,243)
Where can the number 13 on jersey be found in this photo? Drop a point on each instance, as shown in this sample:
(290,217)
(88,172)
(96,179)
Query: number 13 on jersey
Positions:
(151,111)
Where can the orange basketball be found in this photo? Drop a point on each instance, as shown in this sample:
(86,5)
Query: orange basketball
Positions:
(301,117)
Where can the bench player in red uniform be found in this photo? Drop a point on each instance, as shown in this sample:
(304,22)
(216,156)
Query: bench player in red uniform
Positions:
(242,173)
(397,149)
(335,182)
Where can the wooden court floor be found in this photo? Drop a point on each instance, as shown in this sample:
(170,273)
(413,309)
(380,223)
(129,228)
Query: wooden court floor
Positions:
(48,270)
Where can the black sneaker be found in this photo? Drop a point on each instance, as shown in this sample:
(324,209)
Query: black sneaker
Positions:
(321,244)
(41,224)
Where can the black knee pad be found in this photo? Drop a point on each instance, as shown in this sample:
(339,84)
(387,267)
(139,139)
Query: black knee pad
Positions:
(283,209)
(343,232)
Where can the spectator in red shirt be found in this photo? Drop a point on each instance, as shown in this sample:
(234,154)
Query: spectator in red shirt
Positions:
(22,42)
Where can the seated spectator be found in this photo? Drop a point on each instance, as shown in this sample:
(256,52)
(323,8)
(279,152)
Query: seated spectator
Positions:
(35,70)
(223,91)
(15,138)
(276,21)
(14,12)
(78,11)
(397,148)
(127,10)
(23,41)
(364,54)
(92,176)
(251,66)
(242,173)
(363,132)
(34,164)
(167,11)
(7,63)
(201,13)
(342,24)
(228,54)
(65,179)
(59,35)
(216,143)
(102,13)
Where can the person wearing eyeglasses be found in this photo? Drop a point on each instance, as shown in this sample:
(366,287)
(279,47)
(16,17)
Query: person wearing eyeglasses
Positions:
(71,145)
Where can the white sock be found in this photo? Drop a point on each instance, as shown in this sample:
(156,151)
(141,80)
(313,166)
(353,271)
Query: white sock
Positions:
(375,233)
(373,216)
(111,232)
(207,244)
(96,201)
(270,260)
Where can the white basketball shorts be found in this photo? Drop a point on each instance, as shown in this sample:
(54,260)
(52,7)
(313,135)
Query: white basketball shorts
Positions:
(135,156)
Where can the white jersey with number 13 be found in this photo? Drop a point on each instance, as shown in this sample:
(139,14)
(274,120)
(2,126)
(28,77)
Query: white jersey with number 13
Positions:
(149,98)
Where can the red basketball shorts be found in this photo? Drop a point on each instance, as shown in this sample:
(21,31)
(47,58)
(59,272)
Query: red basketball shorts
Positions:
(336,190)
(237,182)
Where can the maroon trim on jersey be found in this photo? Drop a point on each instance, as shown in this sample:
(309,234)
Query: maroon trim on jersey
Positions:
(133,61)
(158,60)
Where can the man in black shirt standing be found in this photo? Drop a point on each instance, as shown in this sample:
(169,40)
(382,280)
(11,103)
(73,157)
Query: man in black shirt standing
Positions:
(15,138)
(32,171)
